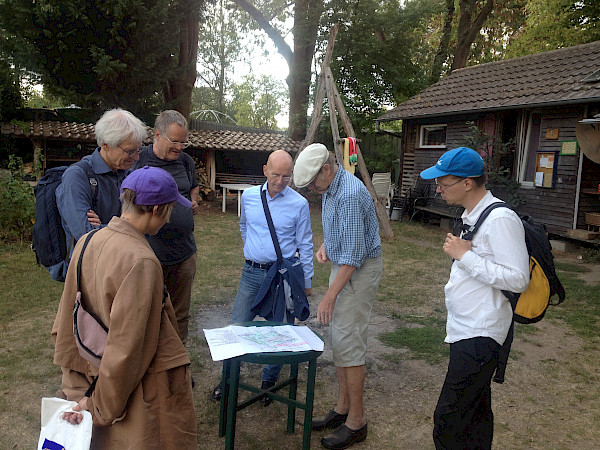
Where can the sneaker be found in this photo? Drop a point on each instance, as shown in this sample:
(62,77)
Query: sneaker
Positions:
(216,394)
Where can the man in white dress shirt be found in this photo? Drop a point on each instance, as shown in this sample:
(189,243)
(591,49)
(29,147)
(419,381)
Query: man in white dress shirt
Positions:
(479,315)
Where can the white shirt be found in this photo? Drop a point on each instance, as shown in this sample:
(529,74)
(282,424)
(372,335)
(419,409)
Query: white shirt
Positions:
(498,261)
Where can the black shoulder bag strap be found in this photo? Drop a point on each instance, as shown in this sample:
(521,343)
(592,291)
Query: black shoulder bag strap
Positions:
(85,244)
(263,197)
(504,350)
(470,230)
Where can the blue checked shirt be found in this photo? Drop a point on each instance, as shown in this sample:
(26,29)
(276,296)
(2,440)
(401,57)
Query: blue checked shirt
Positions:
(350,225)
(291,219)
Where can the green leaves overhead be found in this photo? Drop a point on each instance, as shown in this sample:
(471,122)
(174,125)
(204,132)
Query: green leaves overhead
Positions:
(99,53)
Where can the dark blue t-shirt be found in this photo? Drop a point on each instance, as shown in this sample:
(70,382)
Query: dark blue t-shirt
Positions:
(174,242)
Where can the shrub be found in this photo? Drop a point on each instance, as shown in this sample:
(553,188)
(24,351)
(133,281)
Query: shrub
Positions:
(17,203)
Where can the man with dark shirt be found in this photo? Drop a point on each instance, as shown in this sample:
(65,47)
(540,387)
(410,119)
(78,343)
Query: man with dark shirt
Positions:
(174,244)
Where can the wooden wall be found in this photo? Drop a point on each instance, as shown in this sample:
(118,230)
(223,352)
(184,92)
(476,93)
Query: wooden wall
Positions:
(555,206)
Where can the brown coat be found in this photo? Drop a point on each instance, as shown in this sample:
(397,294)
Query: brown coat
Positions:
(143,396)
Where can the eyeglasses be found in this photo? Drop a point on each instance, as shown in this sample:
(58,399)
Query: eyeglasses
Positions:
(444,187)
(177,144)
(312,182)
(130,153)
(284,178)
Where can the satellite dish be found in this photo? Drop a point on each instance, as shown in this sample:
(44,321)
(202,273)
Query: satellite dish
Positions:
(588,139)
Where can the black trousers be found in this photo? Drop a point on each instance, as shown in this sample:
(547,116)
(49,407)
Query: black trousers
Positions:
(463,417)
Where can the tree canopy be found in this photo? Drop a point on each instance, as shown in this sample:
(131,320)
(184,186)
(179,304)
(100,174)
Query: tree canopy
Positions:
(135,54)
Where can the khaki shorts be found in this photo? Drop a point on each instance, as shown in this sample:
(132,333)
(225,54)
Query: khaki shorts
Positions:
(352,313)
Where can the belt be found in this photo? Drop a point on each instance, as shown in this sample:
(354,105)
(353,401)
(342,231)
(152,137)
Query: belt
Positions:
(263,266)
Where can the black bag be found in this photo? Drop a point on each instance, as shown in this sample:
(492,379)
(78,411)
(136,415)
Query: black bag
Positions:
(531,305)
(49,241)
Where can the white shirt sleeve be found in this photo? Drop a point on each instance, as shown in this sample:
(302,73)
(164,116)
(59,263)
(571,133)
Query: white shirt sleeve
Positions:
(502,261)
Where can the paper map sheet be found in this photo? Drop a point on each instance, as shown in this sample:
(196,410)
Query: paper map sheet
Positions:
(231,341)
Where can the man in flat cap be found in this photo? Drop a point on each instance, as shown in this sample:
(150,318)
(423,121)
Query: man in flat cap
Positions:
(352,244)
(479,315)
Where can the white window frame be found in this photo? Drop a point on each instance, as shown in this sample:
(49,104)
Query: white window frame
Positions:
(523,145)
(423,128)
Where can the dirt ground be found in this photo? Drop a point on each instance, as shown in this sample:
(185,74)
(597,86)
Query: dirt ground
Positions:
(550,400)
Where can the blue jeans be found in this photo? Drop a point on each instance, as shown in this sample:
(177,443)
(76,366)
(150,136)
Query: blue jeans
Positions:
(250,282)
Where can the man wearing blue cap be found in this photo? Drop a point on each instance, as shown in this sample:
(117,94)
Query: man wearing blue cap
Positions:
(479,315)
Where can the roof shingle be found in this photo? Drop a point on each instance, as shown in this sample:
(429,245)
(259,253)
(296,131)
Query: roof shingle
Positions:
(200,139)
(553,77)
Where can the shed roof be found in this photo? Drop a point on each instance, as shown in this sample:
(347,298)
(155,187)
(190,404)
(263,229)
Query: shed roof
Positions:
(200,139)
(544,79)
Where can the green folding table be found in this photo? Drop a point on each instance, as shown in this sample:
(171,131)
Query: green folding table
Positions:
(231,384)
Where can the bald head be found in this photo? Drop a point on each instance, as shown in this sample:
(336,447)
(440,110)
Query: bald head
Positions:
(278,171)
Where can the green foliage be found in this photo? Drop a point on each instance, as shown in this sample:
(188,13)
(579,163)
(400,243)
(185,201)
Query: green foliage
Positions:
(44,99)
(17,204)
(374,62)
(552,24)
(380,153)
(10,96)
(256,102)
(591,255)
(99,54)
(494,150)
(221,48)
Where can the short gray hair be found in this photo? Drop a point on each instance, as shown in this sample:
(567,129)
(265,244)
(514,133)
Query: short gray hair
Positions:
(167,118)
(116,125)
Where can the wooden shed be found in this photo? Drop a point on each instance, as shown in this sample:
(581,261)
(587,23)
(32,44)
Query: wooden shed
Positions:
(536,105)
(227,154)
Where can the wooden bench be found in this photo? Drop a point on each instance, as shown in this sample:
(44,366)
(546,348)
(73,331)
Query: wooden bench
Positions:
(235,178)
(427,203)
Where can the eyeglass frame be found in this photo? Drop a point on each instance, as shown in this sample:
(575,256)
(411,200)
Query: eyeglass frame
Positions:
(445,188)
(312,182)
(182,144)
(131,153)
(284,178)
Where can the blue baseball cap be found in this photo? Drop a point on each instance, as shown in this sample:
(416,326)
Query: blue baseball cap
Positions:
(461,162)
(154,186)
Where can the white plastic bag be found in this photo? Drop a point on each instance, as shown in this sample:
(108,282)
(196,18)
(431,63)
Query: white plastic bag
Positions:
(58,433)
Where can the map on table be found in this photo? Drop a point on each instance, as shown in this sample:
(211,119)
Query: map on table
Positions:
(232,341)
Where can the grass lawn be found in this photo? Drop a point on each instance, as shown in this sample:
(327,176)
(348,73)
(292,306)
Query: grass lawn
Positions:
(410,297)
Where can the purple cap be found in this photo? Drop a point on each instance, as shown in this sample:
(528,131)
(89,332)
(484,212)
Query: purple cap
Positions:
(153,186)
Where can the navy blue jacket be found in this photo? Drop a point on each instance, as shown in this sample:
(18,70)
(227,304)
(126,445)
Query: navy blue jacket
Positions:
(272,307)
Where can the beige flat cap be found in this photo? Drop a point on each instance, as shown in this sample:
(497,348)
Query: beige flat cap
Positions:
(308,164)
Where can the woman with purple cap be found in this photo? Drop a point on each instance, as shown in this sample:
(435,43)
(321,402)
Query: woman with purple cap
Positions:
(141,394)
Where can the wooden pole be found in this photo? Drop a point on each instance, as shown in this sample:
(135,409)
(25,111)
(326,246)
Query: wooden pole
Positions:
(320,94)
(335,132)
(362,167)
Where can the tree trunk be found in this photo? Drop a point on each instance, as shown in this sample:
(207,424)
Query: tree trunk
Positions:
(306,25)
(178,96)
(442,53)
(468,31)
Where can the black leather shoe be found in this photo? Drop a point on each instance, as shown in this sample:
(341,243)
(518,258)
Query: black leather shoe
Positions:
(216,394)
(266,401)
(344,437)
(331,420)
